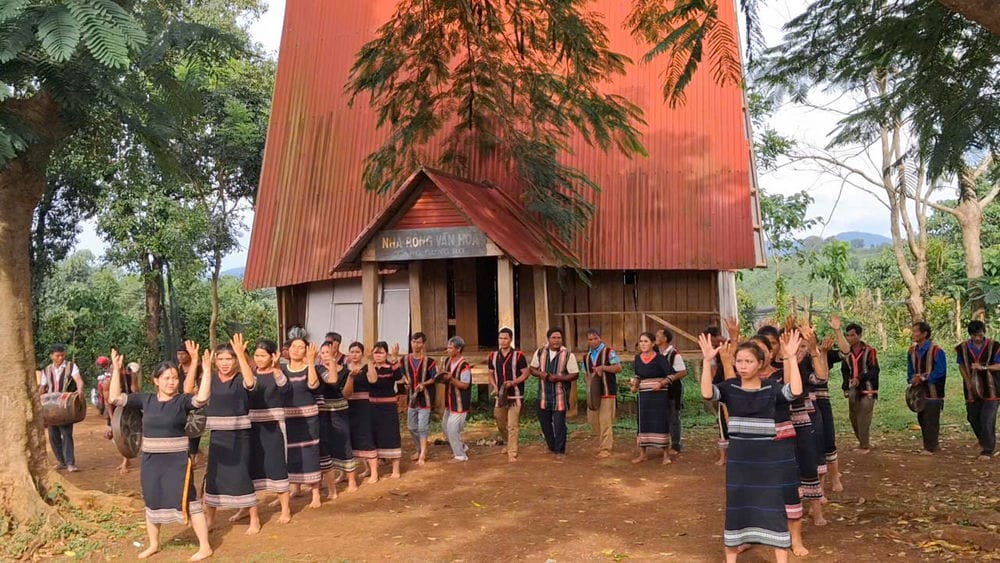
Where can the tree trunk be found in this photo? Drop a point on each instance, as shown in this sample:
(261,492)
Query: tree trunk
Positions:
(879,323)
(39,261)
(983,12)
(213,324)
(970,219)
(151,279)
(23,464)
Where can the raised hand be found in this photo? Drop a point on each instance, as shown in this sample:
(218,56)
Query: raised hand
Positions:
(790,342)
(395,350)
(192,348)
(826,344)
(117,360)
(727,353)
(835,322)
(809,335)
(207,359)
(733,327)
(790,321)
(311,353)
(707,350)
(239,345)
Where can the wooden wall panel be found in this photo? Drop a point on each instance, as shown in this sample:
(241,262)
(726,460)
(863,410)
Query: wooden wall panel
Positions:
(526,340)
(466,304)
(434,303)
(677,291)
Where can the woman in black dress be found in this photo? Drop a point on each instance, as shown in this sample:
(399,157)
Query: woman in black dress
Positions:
(755,487)
(651,382)
(302,418)
(268,469)
(357,390)
(385,413)
(336,454)
(227,473)
(166,474)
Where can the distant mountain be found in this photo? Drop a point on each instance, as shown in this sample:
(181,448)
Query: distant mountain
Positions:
(868,240)
(235,272)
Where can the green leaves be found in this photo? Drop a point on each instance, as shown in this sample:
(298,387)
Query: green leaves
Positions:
(506,80)
(59,33)
(109,32)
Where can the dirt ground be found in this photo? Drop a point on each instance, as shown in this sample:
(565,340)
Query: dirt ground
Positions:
(896,505)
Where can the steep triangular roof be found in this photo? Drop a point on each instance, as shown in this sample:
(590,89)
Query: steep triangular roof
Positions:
(502,218)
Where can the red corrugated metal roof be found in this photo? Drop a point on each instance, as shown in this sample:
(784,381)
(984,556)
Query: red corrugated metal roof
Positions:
(488,208)
(686,206)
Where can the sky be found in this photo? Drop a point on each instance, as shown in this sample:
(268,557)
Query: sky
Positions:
(854,211)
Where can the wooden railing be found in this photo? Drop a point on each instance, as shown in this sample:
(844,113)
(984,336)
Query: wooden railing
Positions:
(637,322)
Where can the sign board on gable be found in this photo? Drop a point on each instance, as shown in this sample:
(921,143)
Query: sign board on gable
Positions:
(430,244)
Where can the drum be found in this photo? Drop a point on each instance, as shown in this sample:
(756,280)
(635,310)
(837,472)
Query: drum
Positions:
(916,397)
(61,409)
(595,390)
(126,431)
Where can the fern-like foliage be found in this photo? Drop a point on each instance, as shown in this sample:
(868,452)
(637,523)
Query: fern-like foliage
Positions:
(514,80)
(686,31)
(113,58)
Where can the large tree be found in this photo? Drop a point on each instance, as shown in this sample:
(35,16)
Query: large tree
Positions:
(920,73)
(63,63)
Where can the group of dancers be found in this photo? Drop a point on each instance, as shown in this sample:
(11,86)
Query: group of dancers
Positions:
(307,416)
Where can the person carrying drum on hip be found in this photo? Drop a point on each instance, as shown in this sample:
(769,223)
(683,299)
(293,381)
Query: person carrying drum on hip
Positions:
(61,377)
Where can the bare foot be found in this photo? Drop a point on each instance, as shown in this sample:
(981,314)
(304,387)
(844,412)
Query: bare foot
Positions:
(743,548)
(332,495)
(273,503)
(123,469)
(372,480)
(316,503)
(926,452)
(838,486)
(511,459)
(240,514)
(861,450)
(253,529)
(666,460)
(799,550)
(721,461)
(149,551)
(819,520)
(72,468)
(415,456)
(560,457)
(201,555)
(284,518)
(395,475)
(672,451)
(353,488)
(455,460)
(639,459)
(421,461)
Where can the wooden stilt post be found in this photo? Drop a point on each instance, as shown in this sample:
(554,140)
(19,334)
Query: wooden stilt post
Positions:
(415,269)
(369,302)
(505,294)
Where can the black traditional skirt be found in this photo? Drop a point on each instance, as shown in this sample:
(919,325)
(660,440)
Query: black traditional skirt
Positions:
(268,468)
(807,460)
(789,474)
(303,450)
(227,477)
(756,481)
(385,428)
(829,433)
(816,419)
(335,441)
(193,445)
(359,413)
(654,424)
(168,488)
